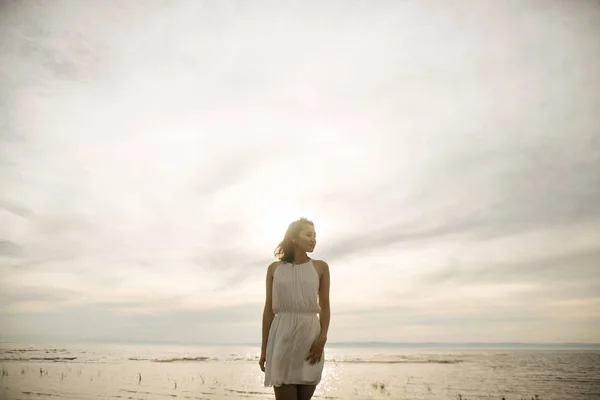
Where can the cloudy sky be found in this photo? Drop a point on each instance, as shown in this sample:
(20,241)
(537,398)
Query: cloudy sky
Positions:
(152,153)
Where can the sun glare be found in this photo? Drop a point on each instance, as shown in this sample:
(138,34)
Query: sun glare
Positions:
(275,219)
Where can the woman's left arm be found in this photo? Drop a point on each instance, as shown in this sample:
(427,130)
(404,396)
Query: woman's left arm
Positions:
(316,350)
(325,314)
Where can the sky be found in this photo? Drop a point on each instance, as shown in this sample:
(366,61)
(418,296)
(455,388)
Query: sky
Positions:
(152,154)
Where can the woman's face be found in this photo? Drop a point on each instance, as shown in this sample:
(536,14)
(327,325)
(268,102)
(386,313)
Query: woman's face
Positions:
(307,238)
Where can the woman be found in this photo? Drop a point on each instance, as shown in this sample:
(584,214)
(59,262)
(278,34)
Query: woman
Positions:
(296,316)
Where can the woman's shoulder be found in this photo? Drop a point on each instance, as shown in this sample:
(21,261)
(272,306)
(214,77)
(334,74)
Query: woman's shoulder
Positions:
(271,268)
(320,265)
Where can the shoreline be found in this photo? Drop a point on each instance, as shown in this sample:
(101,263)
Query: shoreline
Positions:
(347,345)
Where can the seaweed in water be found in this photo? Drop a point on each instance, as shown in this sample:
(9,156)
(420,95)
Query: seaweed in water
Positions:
(381,386)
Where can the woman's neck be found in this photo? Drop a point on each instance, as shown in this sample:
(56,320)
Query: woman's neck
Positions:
(300,258)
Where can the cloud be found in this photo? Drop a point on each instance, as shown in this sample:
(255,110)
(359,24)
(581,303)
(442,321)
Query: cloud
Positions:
(9,248)
(482,196)
(15,209)
(117,323)
(20,297)
(572,267)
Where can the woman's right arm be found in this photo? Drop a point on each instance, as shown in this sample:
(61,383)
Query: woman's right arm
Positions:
(268,314)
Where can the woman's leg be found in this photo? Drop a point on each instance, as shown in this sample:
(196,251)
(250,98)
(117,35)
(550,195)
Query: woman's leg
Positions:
(305,392)
(286,392)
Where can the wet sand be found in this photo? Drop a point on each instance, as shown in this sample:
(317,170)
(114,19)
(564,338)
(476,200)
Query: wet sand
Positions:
(129,372)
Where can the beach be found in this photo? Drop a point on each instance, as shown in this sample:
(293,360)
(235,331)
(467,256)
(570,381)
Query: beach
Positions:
(231,372)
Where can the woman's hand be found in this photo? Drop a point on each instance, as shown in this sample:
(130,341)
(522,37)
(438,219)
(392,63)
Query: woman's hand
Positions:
(261,362)
(316,350)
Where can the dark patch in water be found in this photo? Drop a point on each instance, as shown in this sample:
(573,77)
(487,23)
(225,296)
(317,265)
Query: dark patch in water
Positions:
(183,359)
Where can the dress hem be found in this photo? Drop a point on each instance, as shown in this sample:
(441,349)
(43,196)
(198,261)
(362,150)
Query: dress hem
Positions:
(277,384)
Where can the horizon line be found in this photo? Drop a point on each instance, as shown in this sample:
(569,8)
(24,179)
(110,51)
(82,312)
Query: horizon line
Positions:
(336,343)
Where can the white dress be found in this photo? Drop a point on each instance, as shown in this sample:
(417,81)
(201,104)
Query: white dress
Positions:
(295,326)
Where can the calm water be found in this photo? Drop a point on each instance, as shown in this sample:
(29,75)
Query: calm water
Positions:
(211,372)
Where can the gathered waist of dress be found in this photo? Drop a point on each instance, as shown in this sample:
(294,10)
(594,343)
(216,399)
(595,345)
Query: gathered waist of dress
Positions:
(297,312)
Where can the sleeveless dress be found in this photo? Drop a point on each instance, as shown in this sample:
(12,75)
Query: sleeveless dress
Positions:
(295,326)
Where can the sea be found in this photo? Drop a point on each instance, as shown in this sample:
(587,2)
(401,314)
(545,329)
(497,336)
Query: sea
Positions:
(352,371)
